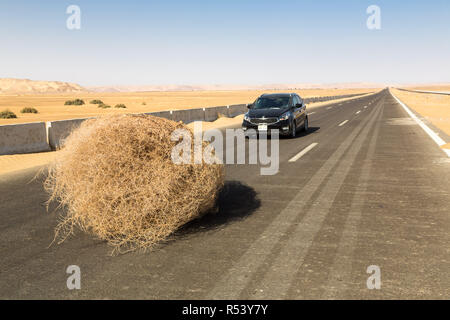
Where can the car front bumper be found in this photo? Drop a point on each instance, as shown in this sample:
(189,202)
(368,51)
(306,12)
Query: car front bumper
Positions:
(282,126)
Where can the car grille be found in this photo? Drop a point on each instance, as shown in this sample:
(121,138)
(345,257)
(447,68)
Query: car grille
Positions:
(263,120)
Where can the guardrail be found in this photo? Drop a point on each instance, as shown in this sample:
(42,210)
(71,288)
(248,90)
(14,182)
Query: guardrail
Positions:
(423,91)
(45,136)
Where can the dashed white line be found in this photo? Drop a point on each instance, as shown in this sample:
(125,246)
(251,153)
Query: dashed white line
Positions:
(303,152)
(365,107)
(342,123)
(329,108)
(358,111)
(310,113)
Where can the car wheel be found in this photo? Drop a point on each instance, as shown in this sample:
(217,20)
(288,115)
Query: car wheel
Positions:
(306,124)
(293,129)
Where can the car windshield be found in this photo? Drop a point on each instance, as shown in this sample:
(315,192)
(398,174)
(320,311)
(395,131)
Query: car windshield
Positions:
(271,102)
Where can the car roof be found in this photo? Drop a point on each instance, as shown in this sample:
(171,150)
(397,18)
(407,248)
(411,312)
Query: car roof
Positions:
(278,94)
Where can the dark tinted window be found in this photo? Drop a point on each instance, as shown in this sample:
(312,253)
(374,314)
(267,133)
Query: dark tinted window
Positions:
(271,102)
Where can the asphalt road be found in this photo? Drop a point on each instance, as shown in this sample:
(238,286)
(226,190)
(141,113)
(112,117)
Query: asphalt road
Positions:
(374,190)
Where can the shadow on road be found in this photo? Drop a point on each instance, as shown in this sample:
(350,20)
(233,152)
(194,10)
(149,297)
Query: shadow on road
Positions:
(235,201)
(299,134)
(310,131)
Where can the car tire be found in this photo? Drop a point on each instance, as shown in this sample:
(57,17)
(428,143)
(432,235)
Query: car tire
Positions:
(293,130)
(305,125)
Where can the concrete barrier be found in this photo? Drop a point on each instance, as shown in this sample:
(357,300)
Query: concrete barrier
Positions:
(58,131)
(161,114)
(23,138)
(237,109)
(188,115)
(329,98)
(212,113)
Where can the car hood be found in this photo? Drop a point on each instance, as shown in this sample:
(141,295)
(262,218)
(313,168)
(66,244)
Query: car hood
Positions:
(268,113)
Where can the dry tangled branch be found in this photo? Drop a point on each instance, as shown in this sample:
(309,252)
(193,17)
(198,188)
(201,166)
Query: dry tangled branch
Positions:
(116,179)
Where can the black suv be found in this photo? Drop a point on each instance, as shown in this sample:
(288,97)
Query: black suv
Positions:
(283,111)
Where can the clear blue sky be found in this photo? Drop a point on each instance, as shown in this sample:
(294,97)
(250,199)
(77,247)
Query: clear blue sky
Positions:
(225,42)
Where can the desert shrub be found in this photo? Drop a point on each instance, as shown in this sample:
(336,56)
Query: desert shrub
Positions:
(7,114)
(96,102)
(116,179)
(29,110)
(120,105)
(76,102)
(103,106)
(144,104)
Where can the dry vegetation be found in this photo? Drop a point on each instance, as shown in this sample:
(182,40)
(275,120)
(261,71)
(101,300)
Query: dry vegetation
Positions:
(116,179)
(433,107)
(7,114)
(51,106)
(29,110)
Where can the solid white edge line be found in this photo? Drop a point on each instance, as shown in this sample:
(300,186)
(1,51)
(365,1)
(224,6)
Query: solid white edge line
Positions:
(430,132)
(342,123)
(303,152)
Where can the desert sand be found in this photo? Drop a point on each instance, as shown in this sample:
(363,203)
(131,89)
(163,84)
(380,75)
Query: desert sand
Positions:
(439,88)
(17,162)
(433,107)
(26,86)
(51,106)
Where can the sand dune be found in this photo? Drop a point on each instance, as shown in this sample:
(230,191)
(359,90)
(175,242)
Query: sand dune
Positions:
(26,86)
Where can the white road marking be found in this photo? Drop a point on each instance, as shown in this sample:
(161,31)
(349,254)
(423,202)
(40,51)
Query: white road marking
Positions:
(303,152)
(237,278)
(329,108)
(311,113)
(342,123)
(365,107)
(430,132)
(283,270)
(358,111)
(340,273)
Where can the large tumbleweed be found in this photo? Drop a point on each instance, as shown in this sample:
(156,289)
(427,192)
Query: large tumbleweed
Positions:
(116,179)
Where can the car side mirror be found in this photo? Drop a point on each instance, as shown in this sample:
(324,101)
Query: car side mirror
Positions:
(249,105)
(298,105)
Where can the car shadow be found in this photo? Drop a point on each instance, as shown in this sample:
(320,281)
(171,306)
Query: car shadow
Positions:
(310,131)
(235,201)
(298,135)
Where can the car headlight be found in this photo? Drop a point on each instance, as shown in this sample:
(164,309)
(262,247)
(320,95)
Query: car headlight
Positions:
(246,117)
(284,116)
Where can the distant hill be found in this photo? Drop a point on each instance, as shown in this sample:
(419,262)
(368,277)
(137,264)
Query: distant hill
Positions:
(125,88)
(14,86)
